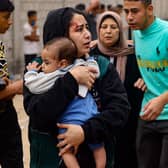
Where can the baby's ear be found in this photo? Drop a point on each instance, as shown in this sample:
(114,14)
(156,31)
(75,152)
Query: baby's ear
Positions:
(63,63)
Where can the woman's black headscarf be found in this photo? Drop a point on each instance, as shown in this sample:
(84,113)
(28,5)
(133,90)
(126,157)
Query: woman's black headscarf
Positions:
(57,23)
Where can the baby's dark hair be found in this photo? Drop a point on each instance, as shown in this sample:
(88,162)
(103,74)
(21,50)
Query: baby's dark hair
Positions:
(145,2)
(64,49)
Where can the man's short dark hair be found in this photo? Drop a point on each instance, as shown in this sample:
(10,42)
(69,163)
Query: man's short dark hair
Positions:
(6,6)
(80,7)
(120,6)
(109,7)
(146,2)
(31,13)
(102,6)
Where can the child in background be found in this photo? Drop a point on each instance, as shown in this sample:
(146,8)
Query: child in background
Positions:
(58,58)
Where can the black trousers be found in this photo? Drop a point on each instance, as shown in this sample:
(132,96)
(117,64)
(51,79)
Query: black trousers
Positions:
(152,144)
(11,155)
(125,147)
(11,152)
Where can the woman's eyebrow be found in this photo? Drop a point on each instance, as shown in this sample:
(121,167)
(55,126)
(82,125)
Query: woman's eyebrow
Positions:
(76,24)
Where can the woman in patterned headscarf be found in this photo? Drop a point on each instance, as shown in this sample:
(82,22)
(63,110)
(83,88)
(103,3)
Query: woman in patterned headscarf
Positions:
(112,45)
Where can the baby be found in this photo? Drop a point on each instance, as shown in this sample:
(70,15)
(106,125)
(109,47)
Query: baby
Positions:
(59,56)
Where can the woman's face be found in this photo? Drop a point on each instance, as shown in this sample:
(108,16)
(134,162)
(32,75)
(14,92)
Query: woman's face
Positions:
(109,32)
(79,34)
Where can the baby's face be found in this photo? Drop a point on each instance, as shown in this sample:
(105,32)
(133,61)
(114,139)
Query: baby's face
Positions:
(50,63)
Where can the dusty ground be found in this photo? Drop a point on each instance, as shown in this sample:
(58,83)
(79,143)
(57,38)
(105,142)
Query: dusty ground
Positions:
(23,121)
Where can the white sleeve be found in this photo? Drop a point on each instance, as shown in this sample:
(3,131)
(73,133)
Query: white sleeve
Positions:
(38,83)
(38,32)
(27,30)
(29,79)
(35,82)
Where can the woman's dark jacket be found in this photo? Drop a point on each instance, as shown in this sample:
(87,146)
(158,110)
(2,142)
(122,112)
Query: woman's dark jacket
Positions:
(132,73)
(45,109)
(125,153)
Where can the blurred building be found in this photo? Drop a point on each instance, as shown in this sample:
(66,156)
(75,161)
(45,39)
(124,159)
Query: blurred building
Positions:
(14,37)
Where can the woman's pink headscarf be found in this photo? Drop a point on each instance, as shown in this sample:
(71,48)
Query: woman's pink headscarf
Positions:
(120,49)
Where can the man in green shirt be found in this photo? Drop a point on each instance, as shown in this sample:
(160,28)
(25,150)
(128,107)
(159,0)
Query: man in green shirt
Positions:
(151,47)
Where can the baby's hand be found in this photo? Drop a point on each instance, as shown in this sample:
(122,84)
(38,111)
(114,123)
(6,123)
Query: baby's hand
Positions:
(33,66)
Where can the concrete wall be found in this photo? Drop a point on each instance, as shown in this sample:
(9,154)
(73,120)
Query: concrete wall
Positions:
(14,37)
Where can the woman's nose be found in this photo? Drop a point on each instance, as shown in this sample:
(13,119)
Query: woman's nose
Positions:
(87,33)
(108,29)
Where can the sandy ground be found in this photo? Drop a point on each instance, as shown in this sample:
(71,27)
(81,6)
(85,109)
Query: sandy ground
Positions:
(23,121)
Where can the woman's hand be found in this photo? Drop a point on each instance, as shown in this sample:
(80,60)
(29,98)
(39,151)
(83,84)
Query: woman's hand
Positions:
(73,137)
(93,43)
(140,84)
(84,75)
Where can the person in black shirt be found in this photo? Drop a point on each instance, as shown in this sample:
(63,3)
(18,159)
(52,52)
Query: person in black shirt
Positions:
(11,154)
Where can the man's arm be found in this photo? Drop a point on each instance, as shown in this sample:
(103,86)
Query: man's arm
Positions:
(154,107)
(12,89)
(33,36)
